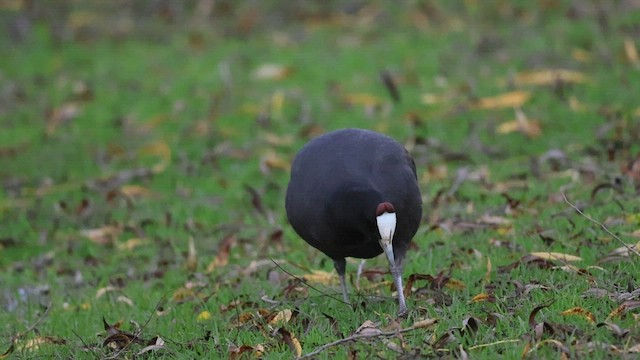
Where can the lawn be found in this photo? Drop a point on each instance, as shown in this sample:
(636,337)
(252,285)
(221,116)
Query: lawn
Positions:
(145,152)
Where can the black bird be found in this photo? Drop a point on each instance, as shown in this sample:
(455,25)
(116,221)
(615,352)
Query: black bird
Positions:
(354,193)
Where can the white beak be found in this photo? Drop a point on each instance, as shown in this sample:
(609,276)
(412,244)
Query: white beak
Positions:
(386,228)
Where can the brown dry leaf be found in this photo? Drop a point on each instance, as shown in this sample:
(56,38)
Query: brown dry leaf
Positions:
(549,77)
(160,149)
(281,317)
(511,99)
(555,256)
(620,253)
(61,115)
(34,344)
(131,244)
(321,277)
(623,308)
(481,298)
(134,191)
(237,352)
(192,259)
(425,323)
(271,160)
(223,253)
(291,341)
(432,99)
(368,328)
(102,236)
(270,71)
(631,51)
(455,284)
(634,349)
(578,311)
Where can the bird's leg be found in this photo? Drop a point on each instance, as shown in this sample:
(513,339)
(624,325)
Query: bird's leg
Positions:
(396,273)
(341,265)
(387,227)
(359,273)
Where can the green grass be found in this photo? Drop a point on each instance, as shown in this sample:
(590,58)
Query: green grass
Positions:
(203,103)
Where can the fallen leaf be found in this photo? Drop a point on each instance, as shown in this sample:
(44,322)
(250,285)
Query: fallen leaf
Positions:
(134,191)
(154,344)
(102,236)
(556,256)
(270,71)
(282,316)
(362,99)
(482,297)
(291,341)
(521,124)
(192,259)
(368,328)
(631,51)
(223,253)
(321,277)
(549,77)
(157,149)
(511,99)
(131,244)
(578,311)
(424,323)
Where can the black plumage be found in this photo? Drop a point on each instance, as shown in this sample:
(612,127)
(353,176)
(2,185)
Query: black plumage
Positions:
(341,184)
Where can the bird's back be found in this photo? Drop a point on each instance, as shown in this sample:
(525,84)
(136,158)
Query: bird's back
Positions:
(339,176)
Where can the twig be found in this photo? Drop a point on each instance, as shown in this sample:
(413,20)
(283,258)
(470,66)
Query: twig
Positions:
(309,285)
(630,248)
(494,343)
(354,337)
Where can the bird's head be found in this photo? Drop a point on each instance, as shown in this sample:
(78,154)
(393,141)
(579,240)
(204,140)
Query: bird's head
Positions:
(386,220)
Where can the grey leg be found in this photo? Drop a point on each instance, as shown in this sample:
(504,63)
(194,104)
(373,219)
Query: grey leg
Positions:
(341,265)
(396,273)
(359,273)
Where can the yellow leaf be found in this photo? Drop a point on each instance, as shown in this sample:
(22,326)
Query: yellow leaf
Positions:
(455,284)
(556,256)
(580,312)
(321,277)
(581,55)
(480,298)
(160,149)
(631,51)
(506,100)
(130,244)
(135,191)
(281,317)
(549,77)
(203,316)
(363,99)
(521,124)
